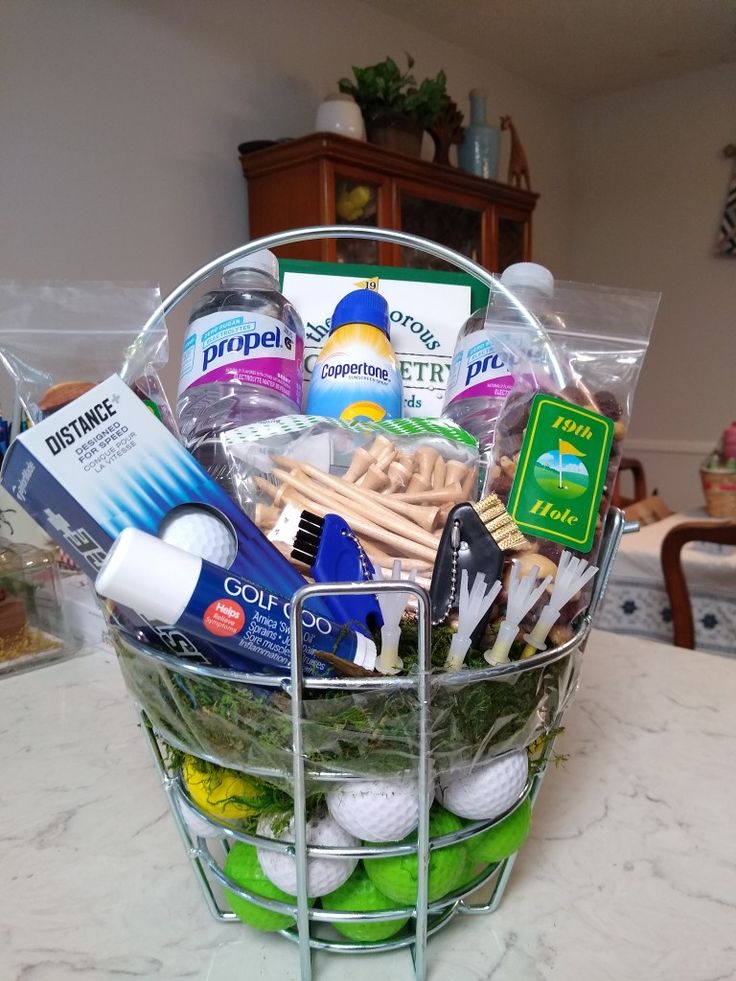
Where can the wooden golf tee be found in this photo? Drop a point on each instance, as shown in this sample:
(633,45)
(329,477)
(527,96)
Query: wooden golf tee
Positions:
(438,472)
(450,494)
(380,445)
(424,517)
(401,536)
(266,516)
(455,472)
(362,459)
(470,485)
(374,479)
(418,483)
(398,475)
(280,495)
(427,457)
(378,516)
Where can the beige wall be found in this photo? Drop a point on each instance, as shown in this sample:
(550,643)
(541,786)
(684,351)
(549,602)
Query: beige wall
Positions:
(121,121)
(650,185)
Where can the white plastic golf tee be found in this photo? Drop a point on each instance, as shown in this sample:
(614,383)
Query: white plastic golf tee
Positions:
(473,604)
(572,575)
(392,609)
(523,594)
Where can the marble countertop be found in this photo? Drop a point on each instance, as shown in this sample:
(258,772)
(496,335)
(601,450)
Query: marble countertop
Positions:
(629,874)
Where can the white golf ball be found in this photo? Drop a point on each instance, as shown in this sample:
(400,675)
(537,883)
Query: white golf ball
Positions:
(377,810)
(198,825)
(200,532)
(323,874)
(488,789)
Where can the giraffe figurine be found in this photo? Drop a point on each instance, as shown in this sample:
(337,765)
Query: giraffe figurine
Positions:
(518,166)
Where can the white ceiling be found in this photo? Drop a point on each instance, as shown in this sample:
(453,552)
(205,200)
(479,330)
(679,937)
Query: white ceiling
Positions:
(581,48)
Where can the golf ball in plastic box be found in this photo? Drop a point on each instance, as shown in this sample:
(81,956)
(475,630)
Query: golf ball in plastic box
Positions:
(200,532)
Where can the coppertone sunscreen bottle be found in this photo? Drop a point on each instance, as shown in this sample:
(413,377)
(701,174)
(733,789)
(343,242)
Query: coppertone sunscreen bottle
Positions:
(357,375)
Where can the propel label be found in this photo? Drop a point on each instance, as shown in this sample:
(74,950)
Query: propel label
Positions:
(561,472)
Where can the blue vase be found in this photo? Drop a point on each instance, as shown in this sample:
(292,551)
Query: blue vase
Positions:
(480,150)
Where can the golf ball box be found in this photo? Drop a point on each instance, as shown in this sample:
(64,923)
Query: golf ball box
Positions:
(104,463)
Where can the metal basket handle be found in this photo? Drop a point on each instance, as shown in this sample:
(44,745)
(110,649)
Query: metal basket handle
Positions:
(315,232)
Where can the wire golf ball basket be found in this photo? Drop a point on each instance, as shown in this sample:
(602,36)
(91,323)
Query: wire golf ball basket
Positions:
(310,735)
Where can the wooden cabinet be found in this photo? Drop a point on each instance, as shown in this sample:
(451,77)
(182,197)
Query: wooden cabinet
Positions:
(326,179)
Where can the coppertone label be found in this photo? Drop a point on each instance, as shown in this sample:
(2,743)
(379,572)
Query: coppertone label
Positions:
(561,472)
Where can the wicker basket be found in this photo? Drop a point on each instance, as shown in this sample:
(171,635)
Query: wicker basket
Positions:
(719,488)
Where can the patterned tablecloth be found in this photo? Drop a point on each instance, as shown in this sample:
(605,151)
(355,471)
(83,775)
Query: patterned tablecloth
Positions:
(636,601)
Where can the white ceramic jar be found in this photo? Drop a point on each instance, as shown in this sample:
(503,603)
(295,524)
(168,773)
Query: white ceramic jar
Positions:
(339,113)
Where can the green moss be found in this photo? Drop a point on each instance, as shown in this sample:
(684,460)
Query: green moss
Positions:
(360,731)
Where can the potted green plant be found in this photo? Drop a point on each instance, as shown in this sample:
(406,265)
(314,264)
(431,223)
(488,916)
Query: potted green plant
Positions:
(395,109)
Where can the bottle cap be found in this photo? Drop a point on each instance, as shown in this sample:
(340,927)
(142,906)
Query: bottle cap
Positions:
(362,307)
(531,275)
(149,576)
(263,261)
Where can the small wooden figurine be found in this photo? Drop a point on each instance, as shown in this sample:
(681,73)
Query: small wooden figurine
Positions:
(447,130)
(518,166)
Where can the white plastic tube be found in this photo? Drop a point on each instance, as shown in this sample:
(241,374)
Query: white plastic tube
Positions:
(246,625)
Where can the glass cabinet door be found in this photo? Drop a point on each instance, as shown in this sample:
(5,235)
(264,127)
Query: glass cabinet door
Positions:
(356,203)
(511,238)
(458,227)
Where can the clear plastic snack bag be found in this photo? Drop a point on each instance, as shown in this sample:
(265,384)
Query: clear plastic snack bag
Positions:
(597,338)
(393,482)
(559,434)
(59,339)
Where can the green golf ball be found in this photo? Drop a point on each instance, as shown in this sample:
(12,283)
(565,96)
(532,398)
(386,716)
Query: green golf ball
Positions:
(359,895)
(504,838)
(396,876)
(243,867)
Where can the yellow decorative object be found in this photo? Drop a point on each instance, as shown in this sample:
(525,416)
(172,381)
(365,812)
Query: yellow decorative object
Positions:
(220,792)
(364,410)
(368,284)
(350,205)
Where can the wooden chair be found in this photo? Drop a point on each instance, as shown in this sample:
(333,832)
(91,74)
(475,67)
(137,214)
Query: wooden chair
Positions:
(674,579)
(629,463)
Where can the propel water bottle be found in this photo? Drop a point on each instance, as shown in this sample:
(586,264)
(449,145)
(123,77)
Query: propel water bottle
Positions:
(241,360)
(480,376)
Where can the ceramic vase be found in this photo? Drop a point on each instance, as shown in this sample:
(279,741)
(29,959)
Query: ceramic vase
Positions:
(339,113)
(479,152)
